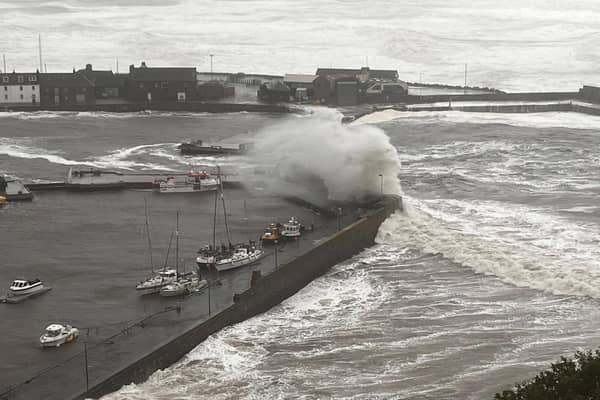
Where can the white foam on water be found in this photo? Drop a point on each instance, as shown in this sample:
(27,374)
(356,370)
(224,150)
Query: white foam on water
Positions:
(531,120)
(14,149)
(232,360)
(524,246)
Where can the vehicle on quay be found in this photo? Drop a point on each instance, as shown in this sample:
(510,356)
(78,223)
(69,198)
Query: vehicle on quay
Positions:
(272,234)
(2,200)
(22,287)
(58,334)
(194,181)
(227,256)
(292,230)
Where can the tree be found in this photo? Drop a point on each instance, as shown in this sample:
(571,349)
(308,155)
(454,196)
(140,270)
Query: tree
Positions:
(568,379)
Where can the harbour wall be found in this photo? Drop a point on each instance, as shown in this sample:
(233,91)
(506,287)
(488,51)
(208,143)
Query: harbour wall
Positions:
(525,96)
(264,293)
(155,106)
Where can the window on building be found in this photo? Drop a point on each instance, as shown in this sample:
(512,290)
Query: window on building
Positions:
(5,97)
(21,88)
(33,88)
(164,85)
(32,78)
(21,97)
(5,79)
(20,79)
(6,88)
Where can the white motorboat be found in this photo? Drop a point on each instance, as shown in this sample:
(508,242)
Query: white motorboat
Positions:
(232,257)
(57,334)
(21,287)
(183,286)
(193,182)
(156,282)
(292,229)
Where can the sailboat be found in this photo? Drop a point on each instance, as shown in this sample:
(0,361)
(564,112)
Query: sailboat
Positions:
(185,283)
(157,280)
(230,256)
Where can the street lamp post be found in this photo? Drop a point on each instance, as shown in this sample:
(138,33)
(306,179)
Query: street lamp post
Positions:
(381,183)
(339,217)
(87,377)
(211,58)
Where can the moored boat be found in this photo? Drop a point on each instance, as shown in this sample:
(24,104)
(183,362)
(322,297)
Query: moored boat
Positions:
(292,229)
(194,181)
(22,287)
(183,286)
(272,234)
(58,334)
(225,258)
(154,283)
(229,256)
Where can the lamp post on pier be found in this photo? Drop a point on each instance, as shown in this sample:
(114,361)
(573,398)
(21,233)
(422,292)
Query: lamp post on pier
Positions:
(211,59)
(381,183)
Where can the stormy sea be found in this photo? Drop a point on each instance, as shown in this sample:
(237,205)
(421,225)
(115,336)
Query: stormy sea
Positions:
(491,273)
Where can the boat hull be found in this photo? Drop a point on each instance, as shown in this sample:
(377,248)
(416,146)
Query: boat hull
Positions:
(148,290)
(29,291)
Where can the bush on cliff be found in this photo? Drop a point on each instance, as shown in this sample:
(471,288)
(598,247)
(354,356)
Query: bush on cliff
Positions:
(568,379)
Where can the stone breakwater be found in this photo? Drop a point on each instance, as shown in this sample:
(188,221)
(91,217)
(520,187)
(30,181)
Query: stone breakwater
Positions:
(264,293)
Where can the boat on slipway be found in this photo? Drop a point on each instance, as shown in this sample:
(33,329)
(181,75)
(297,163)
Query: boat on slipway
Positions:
(194,181)
(227,256)
(58,334)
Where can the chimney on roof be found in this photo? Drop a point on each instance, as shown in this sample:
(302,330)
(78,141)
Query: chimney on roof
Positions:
(88,67)
(143,65)
(131,68)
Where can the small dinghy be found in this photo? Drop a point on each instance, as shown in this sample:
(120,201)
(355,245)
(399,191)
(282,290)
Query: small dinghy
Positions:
(57,334)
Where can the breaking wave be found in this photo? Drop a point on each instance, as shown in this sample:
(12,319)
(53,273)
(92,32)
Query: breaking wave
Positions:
(522,245)
(531,120)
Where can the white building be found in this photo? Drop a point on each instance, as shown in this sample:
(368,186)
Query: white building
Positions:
(19,88)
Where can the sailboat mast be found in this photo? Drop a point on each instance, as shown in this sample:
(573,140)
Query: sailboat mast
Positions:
(224,210)
(148,234)
(215,213)
(177,244)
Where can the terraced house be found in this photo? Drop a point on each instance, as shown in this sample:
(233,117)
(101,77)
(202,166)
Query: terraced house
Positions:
(19,88)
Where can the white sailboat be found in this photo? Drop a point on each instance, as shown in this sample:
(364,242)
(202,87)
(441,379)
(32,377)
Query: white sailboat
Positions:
(185,283)
(157,280)
(226,257)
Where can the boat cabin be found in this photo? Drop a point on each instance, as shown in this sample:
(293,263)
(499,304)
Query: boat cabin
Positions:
(22,284)
(54,330)
(170,273)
